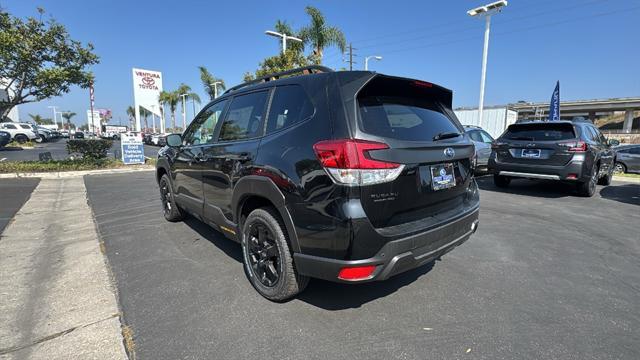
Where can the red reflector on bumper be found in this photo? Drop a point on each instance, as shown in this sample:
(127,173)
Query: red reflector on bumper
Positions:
(356,273)
(572,176)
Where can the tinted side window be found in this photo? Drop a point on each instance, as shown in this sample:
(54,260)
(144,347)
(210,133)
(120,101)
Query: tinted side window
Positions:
(9,126)
(475,135)
(244,118)
(486,137)
(635,151)
(204,125)
(290,105)
(590,133)
(599,136)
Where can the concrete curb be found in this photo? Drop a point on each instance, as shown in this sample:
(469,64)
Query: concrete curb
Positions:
(626,179)
(71,174)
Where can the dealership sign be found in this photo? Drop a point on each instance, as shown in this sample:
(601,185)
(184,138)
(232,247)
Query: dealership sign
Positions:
(147,85)
(132,149)
(93,120)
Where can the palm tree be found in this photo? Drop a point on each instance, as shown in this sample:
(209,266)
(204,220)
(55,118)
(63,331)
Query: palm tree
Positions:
(170,98)
(284,28)
(144,113)
(208,81)
(319,35)
(40,120)
(190,95)
(131,112)
(67,116)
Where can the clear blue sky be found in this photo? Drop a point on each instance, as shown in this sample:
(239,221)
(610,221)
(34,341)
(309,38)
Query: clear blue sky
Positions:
(590,46)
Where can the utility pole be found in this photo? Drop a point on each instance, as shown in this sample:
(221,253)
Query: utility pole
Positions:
(351,55)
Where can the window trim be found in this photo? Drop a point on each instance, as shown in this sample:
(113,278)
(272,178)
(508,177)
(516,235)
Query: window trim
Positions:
(265,113)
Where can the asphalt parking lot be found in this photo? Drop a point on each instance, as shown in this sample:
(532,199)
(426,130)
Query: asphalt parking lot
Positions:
(548,275)
(13,194)
(58,151)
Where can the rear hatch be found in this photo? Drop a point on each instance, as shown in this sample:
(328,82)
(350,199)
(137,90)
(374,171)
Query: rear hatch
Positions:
(415,121)
(536,143)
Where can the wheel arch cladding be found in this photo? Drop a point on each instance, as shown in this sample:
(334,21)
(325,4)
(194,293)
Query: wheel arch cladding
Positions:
(258,191)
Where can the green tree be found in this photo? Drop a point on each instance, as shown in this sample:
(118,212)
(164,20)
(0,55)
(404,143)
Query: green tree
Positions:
(284,28)
(144,113)
(320,35)
(291,59)
(171,99)
(131,113)
(67,116)
(39,60)
(208,80)
(40,120)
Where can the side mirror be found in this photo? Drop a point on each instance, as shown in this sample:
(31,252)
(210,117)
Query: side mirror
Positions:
(613,142)
(174,140)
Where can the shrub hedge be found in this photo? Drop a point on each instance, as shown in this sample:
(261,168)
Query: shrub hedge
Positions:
(89,149)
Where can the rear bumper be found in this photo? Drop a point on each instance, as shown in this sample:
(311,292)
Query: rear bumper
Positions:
(396,256)
(572,171)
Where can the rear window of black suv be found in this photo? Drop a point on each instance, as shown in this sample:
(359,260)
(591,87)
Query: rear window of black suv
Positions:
(540,132)
(403,118)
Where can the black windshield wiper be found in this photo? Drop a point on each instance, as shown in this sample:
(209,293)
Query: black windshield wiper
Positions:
(446,135)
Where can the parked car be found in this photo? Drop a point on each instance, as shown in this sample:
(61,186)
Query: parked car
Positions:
(65,134)
(5,138)
(627,159)
(349,176)
(482,142)
(161,140)
(21,133)
(571,151)
(44,134)
(78,135)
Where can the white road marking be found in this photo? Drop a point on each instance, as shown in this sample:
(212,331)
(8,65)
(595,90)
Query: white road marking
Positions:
(3,159)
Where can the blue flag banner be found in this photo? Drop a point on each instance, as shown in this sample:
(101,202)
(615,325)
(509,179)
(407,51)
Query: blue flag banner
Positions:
(554,106)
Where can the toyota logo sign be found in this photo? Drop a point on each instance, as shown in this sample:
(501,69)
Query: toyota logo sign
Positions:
(148,81)
(449,152)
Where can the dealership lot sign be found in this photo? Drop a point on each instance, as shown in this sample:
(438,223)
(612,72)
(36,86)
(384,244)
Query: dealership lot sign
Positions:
(147,85)
(132,149)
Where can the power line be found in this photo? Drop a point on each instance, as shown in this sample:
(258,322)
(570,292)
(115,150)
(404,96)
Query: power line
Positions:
(517,30)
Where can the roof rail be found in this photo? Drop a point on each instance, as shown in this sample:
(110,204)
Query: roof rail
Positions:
(312,69)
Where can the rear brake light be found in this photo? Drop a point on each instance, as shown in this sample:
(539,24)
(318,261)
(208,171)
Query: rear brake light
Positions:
(496,145)
(422,84)
(356,273)
(348,162)
(574,146)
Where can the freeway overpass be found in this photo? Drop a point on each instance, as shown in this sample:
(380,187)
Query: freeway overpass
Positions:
(590,109)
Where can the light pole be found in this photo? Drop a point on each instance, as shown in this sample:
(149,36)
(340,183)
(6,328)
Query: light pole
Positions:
(366,60)
(184,111)
(215,88)
(486,11)
(55,120)
(284,38)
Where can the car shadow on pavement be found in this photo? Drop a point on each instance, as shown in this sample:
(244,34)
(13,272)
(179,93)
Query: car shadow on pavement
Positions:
(11,149)
(229,247)
(538,188)
(337,296)
(627,193)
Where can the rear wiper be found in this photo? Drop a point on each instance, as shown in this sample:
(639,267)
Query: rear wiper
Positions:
(446,135)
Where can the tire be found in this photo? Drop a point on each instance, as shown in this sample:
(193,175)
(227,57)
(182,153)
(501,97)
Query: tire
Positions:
(21,138)
(501,181)
(606,180)
(619,168)
(588,188)
(268,262)
(170,208)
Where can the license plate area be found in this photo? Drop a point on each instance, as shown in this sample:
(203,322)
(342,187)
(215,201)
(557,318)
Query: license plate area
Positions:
(530,153)
(442,176)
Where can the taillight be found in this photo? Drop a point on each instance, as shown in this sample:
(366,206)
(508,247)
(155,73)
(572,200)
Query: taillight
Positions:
(574,146)
(496,145)
(356,273)
(348,162)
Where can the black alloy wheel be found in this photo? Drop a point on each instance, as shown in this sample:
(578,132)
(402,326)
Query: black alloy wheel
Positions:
(171,211)
(263,255)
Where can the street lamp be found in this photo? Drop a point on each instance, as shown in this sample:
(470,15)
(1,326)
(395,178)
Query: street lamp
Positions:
(184,111)
(486,11)
(215,88)
(366,60)
(55,120)
(284,38)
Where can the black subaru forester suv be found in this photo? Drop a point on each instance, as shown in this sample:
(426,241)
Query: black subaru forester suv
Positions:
(569,151)
(348,176)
